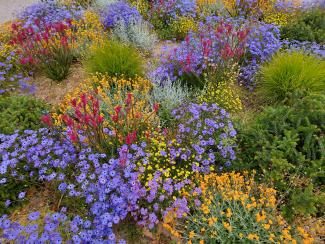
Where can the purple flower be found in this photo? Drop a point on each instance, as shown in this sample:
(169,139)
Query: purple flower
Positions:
(21,195)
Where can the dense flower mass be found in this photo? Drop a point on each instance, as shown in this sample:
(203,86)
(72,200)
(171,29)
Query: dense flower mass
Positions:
(219,43)
(119,11)
(123,152)
(174,8)
(47,12)
(262,43)
(236,208)
(10,75)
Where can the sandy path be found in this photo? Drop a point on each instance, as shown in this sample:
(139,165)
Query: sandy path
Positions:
(9,8)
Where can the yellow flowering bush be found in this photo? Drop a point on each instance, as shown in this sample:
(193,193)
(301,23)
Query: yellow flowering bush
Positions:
(208,7)
(160,148)
(224,94)
(265,9)
(183,25)
(233,208)
(277,18)
(88,32)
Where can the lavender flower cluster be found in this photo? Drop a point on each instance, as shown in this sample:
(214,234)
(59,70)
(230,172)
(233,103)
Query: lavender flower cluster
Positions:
(119,12)
(174,8)
(49,229)
(262,43)
(312,48)
(207,134)
(10,77)
(48,12)
(109,191)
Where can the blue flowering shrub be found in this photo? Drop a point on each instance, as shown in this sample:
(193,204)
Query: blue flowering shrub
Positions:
(12,77)
(219,44)
(48,12)
(118,12)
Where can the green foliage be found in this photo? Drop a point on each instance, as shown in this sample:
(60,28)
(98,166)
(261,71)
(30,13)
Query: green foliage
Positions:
(286,144)
(10,191)
(289,74)
(115,59)
(20,113)
(309,26)
(57,66)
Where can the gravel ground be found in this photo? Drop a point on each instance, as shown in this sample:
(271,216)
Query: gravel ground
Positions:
(9,8)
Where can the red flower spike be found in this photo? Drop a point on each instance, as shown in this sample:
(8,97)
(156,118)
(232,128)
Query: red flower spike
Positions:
(46,119)
(73,136)
(117,109)
(115,118)
(128,99)
(156,107)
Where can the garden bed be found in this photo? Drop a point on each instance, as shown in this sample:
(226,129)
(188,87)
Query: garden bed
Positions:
(163,122)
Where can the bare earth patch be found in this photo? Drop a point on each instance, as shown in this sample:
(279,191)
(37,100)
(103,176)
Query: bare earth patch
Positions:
(53,92)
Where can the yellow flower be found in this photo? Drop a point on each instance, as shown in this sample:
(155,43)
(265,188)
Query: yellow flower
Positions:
(229,213)
(253,236)
(192,234)
(227,226)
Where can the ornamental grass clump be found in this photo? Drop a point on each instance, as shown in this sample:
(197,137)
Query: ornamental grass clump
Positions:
(115,59)
(290,73)
(232,208)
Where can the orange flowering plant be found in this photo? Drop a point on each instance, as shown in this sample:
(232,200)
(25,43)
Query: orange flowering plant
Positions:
(232,207)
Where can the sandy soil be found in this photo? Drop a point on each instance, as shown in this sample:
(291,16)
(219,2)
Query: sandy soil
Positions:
(54,92)
(9,8)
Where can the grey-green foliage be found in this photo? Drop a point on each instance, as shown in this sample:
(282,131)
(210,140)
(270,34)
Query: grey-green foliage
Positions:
(100,4)
(169,96)
(137,33)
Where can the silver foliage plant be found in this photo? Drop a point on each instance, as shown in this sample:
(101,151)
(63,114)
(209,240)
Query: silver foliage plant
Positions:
(169,96)
(138,33)
(100,4)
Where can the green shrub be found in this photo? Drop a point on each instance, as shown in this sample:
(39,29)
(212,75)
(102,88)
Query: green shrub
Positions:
(20,113)
(115,59)
(286,144)
(309,26)
(290,73)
